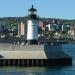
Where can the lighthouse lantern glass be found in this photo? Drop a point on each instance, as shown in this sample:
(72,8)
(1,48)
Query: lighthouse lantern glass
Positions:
(32,12)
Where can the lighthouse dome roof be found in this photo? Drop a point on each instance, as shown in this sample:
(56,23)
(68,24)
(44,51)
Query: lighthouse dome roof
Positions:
(32,9)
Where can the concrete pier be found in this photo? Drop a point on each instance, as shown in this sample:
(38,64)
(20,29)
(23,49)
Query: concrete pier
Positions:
(34,55)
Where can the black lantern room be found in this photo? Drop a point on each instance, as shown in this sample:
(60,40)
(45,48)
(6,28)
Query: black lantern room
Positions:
(32,13)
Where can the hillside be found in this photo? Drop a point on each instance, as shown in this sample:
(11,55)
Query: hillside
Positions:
(10,21)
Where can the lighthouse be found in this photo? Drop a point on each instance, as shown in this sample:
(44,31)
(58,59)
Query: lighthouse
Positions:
(32,26)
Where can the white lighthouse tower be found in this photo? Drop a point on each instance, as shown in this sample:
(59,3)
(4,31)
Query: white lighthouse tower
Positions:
(32,26)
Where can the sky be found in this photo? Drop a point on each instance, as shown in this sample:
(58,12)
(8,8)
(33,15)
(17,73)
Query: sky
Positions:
(64,9)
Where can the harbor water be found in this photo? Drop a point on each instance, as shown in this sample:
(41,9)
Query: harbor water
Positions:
(61,70)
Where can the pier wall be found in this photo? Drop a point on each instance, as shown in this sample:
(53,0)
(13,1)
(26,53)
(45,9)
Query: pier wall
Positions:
(35,62)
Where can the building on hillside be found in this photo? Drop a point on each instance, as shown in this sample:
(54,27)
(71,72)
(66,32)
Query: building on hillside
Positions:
(72,32)
(56,27)
(41,25)
(52,27)
(21,29)
(64,27)
(2,27)
(2,30)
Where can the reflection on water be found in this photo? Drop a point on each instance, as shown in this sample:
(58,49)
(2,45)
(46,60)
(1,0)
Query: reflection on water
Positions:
(23,69)
(36,70)
(66,70)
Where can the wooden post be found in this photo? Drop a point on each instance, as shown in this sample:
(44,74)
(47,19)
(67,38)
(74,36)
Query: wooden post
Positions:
(41,62)
(27,62)
(22,62)
(32,62)
(18,62)
(8,62)
(4,62)
(36,62)
(13,62)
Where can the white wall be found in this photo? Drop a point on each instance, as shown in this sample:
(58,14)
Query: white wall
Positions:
(32,30)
